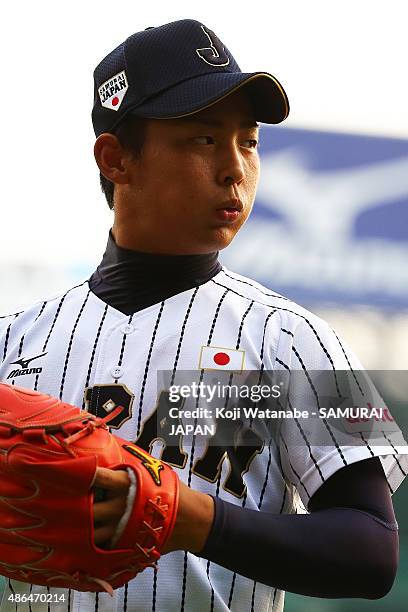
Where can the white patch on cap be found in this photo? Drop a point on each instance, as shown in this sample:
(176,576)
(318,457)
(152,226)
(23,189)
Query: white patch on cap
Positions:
(112,91)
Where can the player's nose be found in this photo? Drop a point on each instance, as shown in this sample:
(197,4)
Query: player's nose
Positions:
(231,168)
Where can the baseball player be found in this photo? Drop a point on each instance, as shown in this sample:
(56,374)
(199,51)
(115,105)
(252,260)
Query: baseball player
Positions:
(177,131)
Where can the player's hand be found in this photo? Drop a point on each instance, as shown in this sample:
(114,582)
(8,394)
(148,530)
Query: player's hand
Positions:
(107,513)
(194,518)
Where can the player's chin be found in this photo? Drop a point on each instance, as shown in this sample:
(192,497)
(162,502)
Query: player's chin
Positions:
(222,236)
(210,238)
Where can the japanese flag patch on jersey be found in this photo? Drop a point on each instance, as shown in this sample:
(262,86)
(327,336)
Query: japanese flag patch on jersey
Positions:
(218,358)
(112,91)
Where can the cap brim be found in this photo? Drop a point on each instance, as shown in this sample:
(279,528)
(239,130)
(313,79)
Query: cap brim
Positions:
(267,96)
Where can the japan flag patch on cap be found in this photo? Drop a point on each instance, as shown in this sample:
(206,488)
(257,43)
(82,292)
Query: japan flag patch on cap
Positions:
(218,358)
(112,91)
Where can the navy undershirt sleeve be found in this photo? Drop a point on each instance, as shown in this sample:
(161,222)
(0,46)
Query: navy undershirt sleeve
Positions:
(332,552)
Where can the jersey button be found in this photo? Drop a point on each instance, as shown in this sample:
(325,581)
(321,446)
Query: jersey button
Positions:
(127,329)
(117,372)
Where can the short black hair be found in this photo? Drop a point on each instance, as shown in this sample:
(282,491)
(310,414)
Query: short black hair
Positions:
(131,135)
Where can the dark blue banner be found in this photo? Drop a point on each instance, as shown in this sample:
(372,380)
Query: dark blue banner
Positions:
(330,221)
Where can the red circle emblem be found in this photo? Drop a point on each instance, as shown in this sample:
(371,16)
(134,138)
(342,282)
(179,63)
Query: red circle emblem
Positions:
(221,359)
(115,101)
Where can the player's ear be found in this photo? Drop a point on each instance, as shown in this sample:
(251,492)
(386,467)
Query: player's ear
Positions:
(112,158)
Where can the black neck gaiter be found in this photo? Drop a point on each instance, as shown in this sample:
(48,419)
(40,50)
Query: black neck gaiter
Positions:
(131,280)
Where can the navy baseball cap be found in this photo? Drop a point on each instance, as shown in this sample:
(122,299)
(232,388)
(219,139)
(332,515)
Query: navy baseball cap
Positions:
(176,70)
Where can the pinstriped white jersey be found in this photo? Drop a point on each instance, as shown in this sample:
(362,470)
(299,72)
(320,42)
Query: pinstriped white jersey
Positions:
(85,352)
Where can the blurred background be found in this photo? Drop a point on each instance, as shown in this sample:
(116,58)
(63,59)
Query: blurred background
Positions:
(330,223)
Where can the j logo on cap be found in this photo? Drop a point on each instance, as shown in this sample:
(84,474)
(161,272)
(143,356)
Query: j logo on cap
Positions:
(214,54)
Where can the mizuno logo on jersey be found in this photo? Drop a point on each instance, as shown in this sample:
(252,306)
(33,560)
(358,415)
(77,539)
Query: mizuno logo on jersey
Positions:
(219,358)
(24,367)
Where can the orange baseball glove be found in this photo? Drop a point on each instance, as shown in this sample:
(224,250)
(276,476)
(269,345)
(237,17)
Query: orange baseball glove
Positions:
(49,452)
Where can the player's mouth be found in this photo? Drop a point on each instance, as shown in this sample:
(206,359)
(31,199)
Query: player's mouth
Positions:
(229,211)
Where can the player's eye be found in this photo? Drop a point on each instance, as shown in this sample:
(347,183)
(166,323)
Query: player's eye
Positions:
(251,143)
